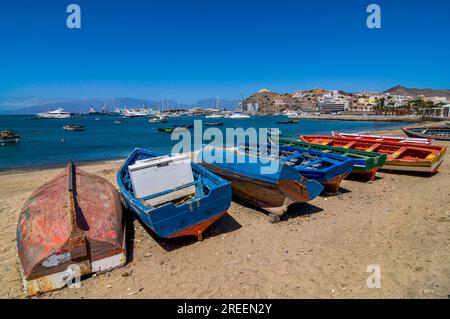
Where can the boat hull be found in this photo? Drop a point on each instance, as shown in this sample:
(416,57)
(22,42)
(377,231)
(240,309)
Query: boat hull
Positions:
(365,164)
(437,133)
(405,157)
(9,140)
(273,197)
(47,247)
(170,220)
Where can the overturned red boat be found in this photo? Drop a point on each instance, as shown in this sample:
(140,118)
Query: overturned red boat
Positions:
(69,227)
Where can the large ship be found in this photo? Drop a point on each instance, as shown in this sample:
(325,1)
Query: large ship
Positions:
(56,114)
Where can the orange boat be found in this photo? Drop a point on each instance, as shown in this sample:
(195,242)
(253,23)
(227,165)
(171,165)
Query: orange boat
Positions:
(69,227)
(403,156)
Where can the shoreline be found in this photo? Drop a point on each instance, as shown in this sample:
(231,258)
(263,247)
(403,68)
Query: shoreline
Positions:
(370,118)
(43,167)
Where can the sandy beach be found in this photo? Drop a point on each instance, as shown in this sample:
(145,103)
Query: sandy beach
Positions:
(319,250)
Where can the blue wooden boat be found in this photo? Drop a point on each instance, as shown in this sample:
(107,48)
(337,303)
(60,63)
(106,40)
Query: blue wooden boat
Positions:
(252,180)
(174,211)
(328,169)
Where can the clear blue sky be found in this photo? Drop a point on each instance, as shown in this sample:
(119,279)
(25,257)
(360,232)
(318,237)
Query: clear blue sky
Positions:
(193,49)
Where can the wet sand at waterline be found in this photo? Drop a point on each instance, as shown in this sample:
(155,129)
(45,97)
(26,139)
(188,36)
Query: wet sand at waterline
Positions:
(320,249)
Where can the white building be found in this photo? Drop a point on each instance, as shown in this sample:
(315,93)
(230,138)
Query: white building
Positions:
(332,103)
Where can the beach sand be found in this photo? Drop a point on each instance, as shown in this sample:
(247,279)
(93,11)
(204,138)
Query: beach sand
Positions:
(319,250)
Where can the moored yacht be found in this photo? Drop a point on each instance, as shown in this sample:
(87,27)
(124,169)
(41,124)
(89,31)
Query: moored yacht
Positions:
(239,116)
(56,114)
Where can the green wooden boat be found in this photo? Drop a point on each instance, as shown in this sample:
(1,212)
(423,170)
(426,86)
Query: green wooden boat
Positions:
(166,129)
(364,163)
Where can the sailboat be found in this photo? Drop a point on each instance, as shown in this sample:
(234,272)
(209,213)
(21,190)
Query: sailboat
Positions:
(217,113)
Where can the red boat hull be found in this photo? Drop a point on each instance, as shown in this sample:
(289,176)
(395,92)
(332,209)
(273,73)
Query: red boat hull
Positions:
(47,240)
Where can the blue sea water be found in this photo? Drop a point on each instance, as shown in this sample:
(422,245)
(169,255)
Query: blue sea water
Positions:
(44,142)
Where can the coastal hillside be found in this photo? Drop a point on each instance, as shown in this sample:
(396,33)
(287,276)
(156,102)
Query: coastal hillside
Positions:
(401,90)
(271,102)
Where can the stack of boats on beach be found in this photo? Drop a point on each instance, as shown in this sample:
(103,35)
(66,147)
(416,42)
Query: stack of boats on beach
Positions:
(176,195)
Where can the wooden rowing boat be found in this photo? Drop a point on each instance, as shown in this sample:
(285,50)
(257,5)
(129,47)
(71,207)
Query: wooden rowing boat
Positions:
(400,156)
(73,224)
(328,169)
(73,127)
(272,190)
(8,137)
(380,138)
(441,133)
(288,121)
(364,163)
(171,195)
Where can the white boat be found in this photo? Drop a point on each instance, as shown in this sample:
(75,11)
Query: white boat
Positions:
(56,114)
(214,116)
(239,116)
(136,113)
(158,119)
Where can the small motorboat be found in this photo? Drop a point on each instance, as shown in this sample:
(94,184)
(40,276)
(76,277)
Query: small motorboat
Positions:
(213,123)
(290,121)
(171,195)
(264,182)
(410,157)
(74,127)
(175,127)
(160,119)
(364,163)
(441,133)
(8,136)
(326,168)
(381,138)
(72,224)
(118,122)
(166,129)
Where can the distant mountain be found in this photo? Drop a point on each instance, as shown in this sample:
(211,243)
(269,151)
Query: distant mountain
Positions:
(401,90)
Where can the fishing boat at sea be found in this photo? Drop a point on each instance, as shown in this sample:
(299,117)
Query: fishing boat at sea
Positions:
(158,119)
(400,156)
(213,123)
(326,168)
(175,127)
(73,127)
(171,195)
(70,226)
(264,182)
(364,163)
(8,136)
(441,133)
(381,138)
(289,121)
